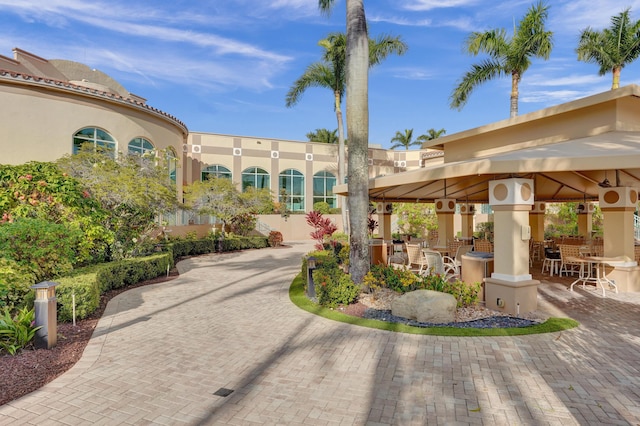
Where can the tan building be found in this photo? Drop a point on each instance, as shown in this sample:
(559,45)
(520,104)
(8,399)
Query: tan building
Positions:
(48,108)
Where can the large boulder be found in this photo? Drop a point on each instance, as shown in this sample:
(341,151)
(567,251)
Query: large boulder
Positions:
(425,306)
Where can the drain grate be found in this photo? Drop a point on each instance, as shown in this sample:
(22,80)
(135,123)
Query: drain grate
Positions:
(223,392)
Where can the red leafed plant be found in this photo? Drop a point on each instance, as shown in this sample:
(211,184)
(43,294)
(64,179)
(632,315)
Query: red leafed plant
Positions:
(322,226)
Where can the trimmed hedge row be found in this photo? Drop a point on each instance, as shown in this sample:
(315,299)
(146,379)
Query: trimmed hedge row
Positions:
(89,283)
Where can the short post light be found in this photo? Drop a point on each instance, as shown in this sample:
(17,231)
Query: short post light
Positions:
(46,317)
(311,266)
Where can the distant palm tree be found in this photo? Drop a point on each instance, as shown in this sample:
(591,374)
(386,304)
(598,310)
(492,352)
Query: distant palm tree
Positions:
(323,136)
(331,74)
(404,139)
(431,135)
(508,56)
(613,47)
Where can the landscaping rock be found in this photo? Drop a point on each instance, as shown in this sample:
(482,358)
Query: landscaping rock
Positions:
(425,306)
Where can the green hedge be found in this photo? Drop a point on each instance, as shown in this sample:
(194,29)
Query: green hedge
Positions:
(183,248)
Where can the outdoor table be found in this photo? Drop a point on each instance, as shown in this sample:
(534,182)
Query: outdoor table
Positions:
(598,264)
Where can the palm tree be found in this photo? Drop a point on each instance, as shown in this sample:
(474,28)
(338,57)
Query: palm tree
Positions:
(357,85)
(404,139)
(323,136)
(431,135)
(613,47)
(507,55)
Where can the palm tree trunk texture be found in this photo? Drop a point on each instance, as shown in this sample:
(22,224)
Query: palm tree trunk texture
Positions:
(357,102)
(515,79)
(616,77)
(341,162)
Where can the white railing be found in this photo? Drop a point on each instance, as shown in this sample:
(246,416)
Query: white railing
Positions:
(263,228)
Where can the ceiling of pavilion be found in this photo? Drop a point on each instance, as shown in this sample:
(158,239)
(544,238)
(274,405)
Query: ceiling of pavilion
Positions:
(565,171)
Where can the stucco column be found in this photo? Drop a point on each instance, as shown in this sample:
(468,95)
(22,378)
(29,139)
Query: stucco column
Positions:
(384,211)
(467,211)
(585,219)
(510,287)
(445,209)
(618,205)
(536,220)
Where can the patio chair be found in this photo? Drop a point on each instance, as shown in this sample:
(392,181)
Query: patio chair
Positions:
(416,260)
(483,246)
(437,266)
(456,260)
(568,259)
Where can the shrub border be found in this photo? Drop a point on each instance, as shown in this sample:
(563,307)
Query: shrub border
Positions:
(297,296)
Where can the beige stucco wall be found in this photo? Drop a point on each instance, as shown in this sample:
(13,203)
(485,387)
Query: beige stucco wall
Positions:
(39,124)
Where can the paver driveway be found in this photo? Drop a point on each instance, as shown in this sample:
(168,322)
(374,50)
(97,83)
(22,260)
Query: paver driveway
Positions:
(161,352)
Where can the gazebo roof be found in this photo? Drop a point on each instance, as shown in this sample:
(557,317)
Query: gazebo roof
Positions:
(567,150)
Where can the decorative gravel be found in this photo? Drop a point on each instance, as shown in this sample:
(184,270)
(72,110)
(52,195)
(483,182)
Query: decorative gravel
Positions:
(489,322)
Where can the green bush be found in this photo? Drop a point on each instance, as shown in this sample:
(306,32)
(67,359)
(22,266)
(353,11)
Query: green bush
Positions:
(87,284)
(16,331)
(15,285)
(323,258)
(403,280)
(334,287)
(322,207)
(47,249)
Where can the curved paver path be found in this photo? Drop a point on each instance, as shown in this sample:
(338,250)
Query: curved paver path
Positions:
(161,352)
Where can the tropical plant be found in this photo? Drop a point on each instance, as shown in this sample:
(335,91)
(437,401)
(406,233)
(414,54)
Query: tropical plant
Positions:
(612,48)
(404,140)
(431,135)
(323,136)
(507,55)
(16,331)
(275,238)
(40,190)
(416,218)
(47,249)
(357,103)
(322,227)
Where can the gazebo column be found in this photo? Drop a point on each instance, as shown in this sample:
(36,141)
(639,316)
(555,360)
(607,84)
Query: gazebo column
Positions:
(384,211)
(618,205)
(536,220)
(445,209)
(585,219)
(511,288)
(467,211)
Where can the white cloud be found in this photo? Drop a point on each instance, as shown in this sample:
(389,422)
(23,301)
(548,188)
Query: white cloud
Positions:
(556,96)
(570,80)
(412,73)
(424,5)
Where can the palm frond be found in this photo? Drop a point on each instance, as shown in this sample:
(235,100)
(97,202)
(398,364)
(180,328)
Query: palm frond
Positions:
(317,74)
(479,73)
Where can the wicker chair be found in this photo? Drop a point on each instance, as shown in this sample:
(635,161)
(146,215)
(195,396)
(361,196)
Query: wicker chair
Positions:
(568,255)
(416,260)
(456,260)
(483,246)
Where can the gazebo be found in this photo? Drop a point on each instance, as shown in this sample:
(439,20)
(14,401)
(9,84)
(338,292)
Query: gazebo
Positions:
(584,151)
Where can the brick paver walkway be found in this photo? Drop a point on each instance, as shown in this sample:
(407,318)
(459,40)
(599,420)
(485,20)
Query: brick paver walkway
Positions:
(161,352)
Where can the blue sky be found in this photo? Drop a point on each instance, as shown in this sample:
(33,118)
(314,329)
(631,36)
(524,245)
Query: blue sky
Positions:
(224,66)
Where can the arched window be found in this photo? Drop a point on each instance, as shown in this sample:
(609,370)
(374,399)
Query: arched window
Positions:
(291,190)
(96,137)
(215,171)
(323,183)
(256,177)
(140,146)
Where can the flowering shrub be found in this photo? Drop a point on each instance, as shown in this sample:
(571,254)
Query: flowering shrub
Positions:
(403,280)
(334,287)
(275,238)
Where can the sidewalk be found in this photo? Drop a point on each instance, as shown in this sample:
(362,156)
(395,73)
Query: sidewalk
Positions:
(162,352)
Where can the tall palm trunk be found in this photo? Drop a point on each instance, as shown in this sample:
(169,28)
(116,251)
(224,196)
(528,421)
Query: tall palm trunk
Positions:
(341,161)
(357,103)
(616,77)
(515,79)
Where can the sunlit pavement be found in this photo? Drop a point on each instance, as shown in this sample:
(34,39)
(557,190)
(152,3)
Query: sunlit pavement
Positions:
(168,353)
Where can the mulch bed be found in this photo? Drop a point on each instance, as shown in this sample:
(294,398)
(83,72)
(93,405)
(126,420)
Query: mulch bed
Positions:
(32,368)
